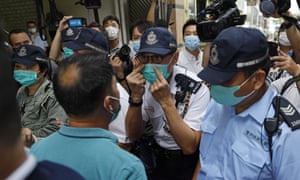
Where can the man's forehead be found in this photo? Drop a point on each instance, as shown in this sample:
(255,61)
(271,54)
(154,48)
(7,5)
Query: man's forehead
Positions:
(20,35)
(111,22)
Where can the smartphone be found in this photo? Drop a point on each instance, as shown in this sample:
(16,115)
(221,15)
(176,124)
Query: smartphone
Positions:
(77,22)
(273,48)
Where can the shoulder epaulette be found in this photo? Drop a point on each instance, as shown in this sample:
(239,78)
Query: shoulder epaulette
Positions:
(288,112)
(187,83)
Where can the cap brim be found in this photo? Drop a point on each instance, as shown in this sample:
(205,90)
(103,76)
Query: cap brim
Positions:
(74,46)
(215,77)
(25,62)
(159,51)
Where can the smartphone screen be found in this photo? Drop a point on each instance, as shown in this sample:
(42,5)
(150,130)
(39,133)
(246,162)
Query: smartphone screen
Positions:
(75,22)
(273,49)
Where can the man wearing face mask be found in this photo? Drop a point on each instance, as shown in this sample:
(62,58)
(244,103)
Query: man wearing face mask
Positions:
(111,25)
(191,56)
(38,106)
(86,88)
(235,143)
(35,36)
(154,96)
(136,30)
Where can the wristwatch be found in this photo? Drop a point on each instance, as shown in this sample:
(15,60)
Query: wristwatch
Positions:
(135,104)
(287,25)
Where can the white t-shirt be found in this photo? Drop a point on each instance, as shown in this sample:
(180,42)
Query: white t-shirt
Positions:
(152,111)
(117,127)
(189,61)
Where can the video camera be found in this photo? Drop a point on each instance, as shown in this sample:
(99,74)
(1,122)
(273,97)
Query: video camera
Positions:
(124,55)
(218,16)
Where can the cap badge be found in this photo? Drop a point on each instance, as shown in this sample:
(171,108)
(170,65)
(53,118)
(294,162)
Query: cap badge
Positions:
(151,38)
(214,59)
(69,32)
(22,52)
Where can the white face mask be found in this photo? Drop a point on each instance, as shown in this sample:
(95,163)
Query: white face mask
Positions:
(32,30)
(112,32)
(283,39)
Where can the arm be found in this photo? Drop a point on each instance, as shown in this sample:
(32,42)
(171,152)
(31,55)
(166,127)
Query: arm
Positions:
(294,37)
(55,49)
(187,138)
(285,62)
(206,53)
(151,12)
(117,64)
(134,123)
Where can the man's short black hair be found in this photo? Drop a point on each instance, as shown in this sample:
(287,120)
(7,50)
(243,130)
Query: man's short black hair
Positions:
(188,23)
(16,31)
(110,17)
(141,25)
(81,83)
(30,22)
(10,128)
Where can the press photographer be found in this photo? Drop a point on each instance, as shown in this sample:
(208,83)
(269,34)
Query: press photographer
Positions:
(220,15)
(122,64)
(280,9)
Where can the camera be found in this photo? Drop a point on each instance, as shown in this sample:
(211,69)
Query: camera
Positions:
(218,16)
(124,55)
(77,22)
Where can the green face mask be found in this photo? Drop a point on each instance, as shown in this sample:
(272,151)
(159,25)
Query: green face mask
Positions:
(26,78)
(225,95)
(149,72)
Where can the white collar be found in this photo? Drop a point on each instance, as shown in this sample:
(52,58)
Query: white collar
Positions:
(189,56)
(25,169)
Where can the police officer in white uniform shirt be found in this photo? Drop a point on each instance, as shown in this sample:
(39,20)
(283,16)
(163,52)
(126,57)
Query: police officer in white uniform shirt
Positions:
(172,99)
(190,56)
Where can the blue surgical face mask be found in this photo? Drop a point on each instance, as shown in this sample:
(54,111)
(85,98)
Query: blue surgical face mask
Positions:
(225,95)
(115,114)
(68,52)
(150,74)
(136,45)
(26,78)
(192,42)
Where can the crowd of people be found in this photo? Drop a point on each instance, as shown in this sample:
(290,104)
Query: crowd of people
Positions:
(81,108)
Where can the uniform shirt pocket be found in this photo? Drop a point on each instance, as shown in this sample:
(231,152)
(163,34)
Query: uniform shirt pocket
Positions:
(248,159)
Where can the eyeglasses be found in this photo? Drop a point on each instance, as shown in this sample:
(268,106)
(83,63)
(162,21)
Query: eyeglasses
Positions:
(153,59)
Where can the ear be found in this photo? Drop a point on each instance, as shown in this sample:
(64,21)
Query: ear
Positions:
(176,55)
(259,79)
(106,103)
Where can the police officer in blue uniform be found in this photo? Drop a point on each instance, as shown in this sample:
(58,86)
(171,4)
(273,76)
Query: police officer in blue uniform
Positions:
(234,142)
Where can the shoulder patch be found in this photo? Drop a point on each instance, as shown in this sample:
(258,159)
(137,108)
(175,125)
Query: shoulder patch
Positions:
(288,112)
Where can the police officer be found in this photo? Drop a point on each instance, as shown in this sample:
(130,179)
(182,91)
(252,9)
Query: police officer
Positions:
(234,142)
(153,87)
(38,106)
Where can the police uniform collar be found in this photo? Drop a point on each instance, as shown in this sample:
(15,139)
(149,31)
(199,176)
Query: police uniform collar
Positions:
(262,105)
